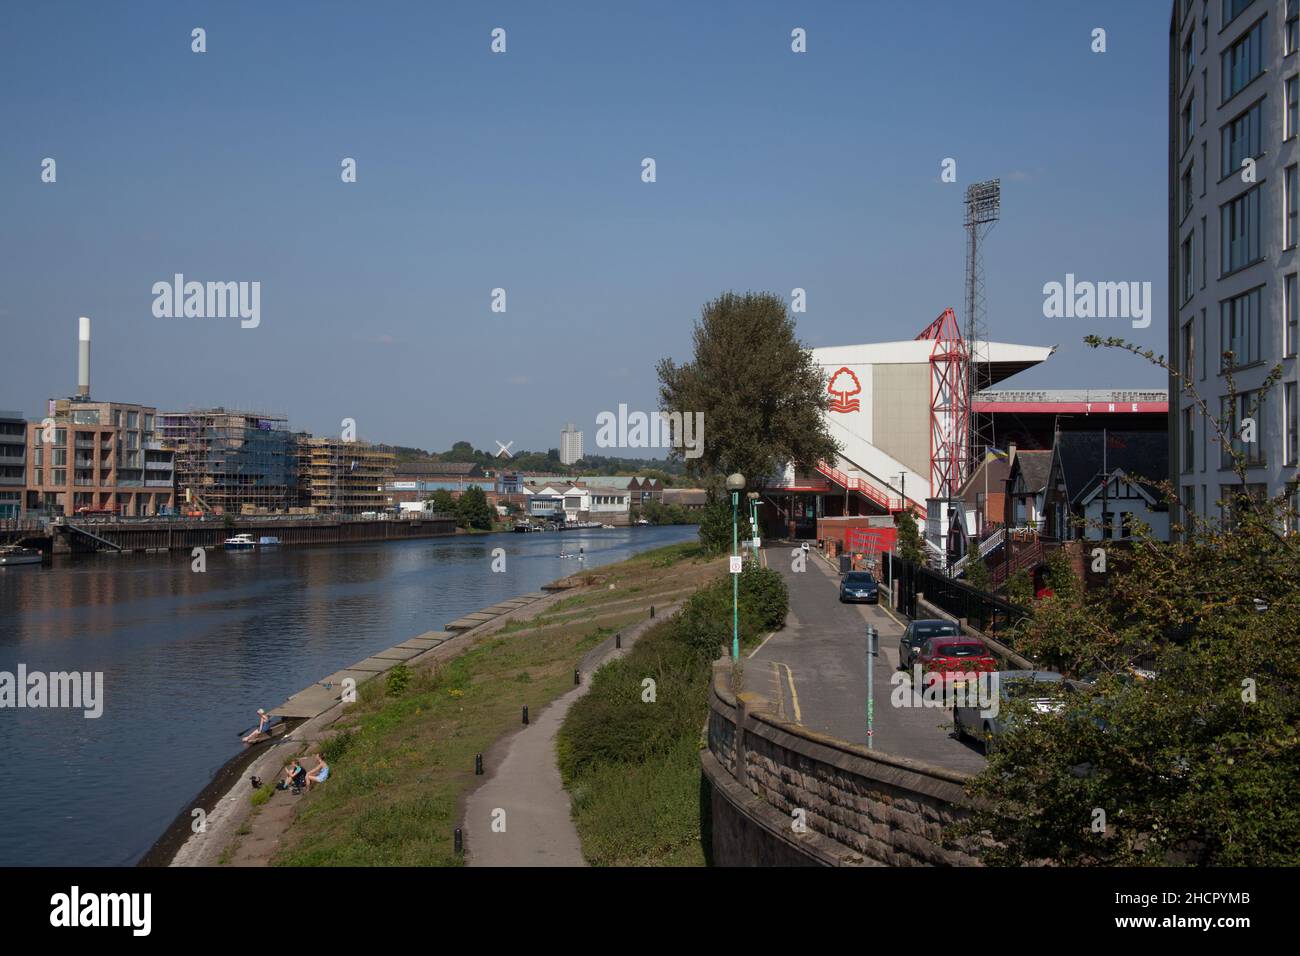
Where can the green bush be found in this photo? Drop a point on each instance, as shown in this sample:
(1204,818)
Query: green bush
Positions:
(764,590)
(337,746)
(399,678)
(978,575)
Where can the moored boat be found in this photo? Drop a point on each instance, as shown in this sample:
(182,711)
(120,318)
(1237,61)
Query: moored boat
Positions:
(12,554)
(240,542)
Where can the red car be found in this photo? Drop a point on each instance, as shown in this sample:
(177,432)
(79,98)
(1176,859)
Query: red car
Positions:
(955,656)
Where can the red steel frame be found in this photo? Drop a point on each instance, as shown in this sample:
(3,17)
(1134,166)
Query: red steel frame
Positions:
(949,405)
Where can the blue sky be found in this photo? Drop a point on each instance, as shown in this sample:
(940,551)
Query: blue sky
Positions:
(775,170)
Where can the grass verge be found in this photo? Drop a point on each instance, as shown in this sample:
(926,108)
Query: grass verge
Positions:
(403,757)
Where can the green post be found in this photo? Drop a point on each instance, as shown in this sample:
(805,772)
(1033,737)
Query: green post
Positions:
(735,582)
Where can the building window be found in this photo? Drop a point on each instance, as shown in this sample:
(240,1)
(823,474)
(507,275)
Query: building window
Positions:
(1185,187)
(1185,266)
(1249,405)
(1243,61)
(1289,204)
(1188,126)
(1189,439)
(1189,350)
(1239,231)
(1292,104)
(1240,139)
(1239,329)
(1232,9)
(1291,31)
(1189,54)
(1289,312)
(1289,411)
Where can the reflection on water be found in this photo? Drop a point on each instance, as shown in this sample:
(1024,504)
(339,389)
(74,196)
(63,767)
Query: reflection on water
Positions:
(187,658)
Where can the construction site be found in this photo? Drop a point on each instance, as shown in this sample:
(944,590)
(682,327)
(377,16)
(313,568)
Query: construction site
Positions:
(231,462)
(338,477)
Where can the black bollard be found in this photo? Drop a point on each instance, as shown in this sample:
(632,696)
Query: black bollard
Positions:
(525,713)
(652,610)
(478,764)
(460,842)
(577,677)
(618,639)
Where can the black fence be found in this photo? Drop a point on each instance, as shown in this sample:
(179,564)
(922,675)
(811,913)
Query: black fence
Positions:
(982,611)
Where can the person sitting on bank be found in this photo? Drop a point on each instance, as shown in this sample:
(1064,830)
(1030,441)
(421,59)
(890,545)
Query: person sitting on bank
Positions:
(263,726)
(319,773)
(294,776)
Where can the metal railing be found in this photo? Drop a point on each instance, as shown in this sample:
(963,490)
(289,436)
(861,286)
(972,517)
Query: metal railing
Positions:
(864,488)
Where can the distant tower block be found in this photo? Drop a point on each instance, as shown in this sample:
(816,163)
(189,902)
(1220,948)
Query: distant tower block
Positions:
(570,445)
(83,357)
(983,209)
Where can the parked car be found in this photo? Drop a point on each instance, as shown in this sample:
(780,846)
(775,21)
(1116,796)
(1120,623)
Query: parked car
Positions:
(1044,690)
(917,633)
(859,587)
(953,656)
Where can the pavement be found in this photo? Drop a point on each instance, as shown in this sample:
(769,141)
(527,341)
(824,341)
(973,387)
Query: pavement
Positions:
(815,670)
(523,795)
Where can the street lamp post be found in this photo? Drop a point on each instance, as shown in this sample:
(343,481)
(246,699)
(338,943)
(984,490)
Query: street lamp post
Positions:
(735,484)
(753,521)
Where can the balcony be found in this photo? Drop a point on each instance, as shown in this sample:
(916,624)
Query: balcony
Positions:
(11,482)
(158,484)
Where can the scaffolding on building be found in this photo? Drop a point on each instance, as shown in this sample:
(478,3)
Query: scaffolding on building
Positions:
(233,461)
(344,477)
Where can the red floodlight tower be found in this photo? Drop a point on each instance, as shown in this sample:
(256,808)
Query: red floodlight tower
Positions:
(949,405)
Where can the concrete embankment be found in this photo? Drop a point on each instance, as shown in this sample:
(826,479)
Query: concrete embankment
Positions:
(225,801)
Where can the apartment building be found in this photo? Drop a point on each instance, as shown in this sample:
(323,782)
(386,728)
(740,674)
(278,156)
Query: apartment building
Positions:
(13,463)
(1234,222)
(89,455)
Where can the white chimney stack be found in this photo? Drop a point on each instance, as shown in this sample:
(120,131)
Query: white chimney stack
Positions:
(83,358)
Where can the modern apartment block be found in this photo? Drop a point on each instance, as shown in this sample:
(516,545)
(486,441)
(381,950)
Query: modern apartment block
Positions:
(88,455)
(232,462)
(1234,222)
(570,445)
(13,463)
(338,477)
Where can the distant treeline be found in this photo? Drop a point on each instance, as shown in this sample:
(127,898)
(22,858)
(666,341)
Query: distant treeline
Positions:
(549,462)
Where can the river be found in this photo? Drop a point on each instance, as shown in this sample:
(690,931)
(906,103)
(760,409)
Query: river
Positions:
(188,657)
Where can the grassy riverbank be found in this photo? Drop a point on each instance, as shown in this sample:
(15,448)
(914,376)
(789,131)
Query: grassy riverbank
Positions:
(404,757)
(630,752)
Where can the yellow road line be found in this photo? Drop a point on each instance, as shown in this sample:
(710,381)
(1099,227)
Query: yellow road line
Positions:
(794,696)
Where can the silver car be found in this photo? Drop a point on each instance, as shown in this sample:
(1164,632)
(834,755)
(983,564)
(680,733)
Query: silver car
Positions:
(1043,689)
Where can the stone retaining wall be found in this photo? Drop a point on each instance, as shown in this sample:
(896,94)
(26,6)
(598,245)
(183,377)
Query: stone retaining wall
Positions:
(860,807)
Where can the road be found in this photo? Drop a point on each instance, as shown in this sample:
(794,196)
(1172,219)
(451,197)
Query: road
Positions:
(816,669)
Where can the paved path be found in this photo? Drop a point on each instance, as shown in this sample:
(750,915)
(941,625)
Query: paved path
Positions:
(816,669)
(526,784)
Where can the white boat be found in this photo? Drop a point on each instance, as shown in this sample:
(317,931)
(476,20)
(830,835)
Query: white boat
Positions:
(642,521)
(12,554)
(240,542)
(607,526)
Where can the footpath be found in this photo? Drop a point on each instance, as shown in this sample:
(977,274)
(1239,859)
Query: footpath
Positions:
(520,816)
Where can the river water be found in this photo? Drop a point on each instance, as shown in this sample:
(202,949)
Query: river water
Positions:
(187,657)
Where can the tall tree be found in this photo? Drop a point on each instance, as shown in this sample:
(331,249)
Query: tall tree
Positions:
(760,392)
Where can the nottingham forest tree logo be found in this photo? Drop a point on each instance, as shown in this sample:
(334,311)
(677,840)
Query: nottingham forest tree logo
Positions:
(842,386)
